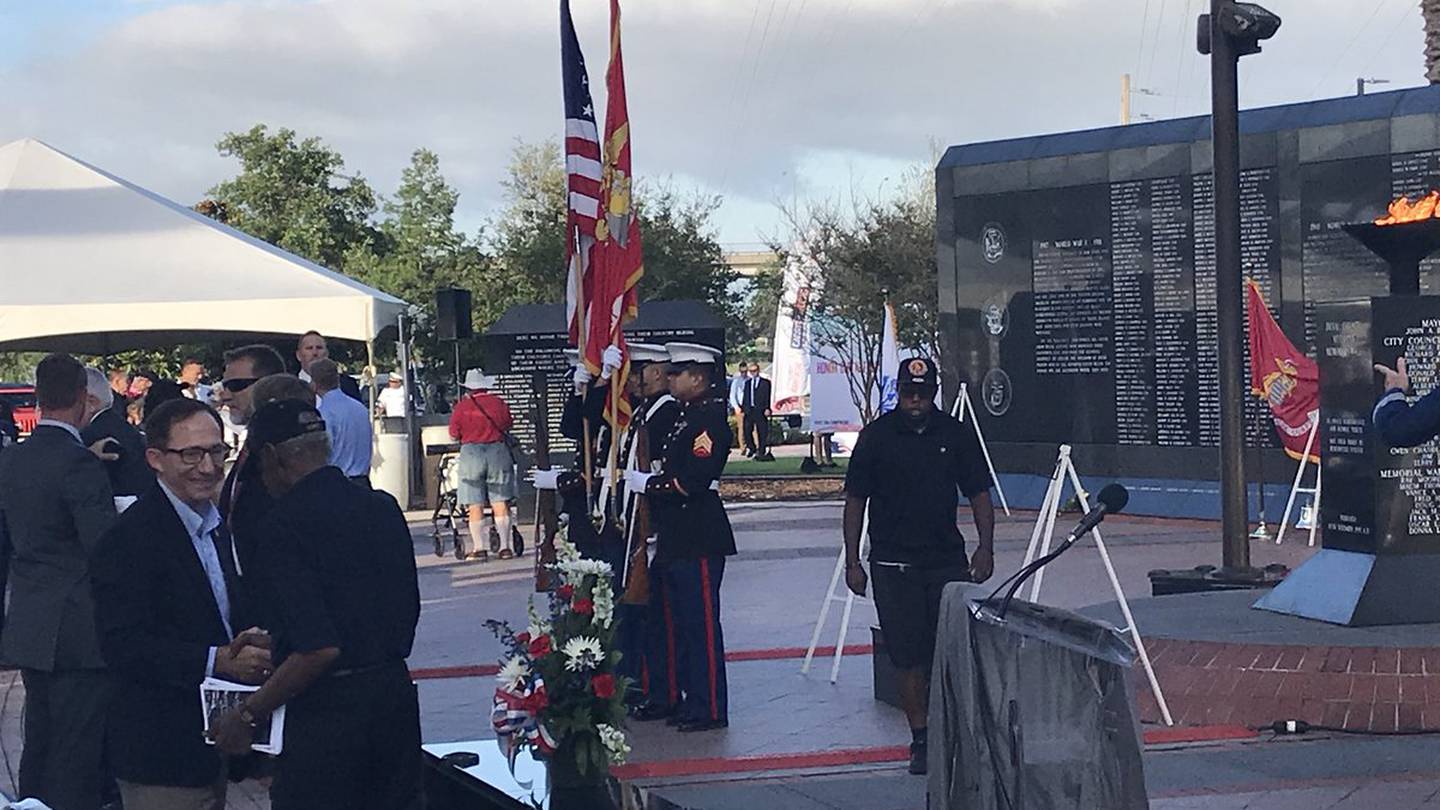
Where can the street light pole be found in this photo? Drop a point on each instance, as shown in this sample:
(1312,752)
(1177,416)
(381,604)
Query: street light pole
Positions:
(1225,137)
(1234,30)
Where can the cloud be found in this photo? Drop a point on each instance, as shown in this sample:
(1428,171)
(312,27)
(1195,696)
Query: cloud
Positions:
(731,95)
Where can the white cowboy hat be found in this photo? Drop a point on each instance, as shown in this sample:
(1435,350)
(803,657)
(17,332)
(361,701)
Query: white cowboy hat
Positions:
(476,380)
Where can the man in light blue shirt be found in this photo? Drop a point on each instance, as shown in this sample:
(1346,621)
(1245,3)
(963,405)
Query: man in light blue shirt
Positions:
(347,422)
(169,612)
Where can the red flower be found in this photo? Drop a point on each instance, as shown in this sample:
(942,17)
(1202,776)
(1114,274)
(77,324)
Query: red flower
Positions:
(584,607)
(604,686)
(540,646)
(565,592)
(523,638)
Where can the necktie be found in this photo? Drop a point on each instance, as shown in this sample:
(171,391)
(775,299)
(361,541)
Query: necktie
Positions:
(225,550)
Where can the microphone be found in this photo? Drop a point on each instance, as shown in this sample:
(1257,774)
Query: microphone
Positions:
(1112,499)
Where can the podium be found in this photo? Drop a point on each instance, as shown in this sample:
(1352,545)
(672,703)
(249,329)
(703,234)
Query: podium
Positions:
(1031,709)
(1380,519)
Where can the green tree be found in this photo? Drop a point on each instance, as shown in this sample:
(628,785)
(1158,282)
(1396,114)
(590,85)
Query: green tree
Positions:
(882,249)
(422,251)
(529,241)
(682,257)
(294,194)
(761,305)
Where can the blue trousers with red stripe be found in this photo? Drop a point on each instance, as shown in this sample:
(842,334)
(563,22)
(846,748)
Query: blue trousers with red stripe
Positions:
(694,589)
(660,679)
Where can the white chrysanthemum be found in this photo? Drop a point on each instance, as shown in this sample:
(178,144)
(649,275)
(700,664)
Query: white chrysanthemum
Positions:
(604,605)
(575,570)
(614,741)
(582,652)
(513,674)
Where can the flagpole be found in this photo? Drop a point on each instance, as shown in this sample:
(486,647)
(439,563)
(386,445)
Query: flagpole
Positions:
(614,435)
(581,329)
(1261,533)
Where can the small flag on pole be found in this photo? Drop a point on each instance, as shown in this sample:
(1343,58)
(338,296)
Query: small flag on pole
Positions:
(1283,376)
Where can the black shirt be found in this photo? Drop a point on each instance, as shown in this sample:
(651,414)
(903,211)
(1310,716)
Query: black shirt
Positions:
(911,480)
(336,568)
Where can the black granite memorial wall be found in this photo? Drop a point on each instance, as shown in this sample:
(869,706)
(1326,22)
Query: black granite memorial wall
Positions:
(525,349)
(1077,272)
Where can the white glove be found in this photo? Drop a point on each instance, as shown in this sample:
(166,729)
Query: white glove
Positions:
(636,481)
(547,479)
(611,361)
(582,379)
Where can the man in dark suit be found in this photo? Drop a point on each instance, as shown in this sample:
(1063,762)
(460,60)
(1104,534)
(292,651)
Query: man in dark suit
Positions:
(243,500)
(756,403)
(168,605)
(117,441)
(312,347)
(56,504)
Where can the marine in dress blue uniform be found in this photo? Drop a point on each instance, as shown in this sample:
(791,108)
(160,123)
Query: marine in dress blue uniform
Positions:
(694,536)
(633,630)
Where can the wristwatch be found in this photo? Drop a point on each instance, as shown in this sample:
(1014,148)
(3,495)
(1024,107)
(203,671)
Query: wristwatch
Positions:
(247,716)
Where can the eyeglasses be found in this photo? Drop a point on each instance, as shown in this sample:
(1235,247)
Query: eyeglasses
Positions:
(237,384)
(193,455)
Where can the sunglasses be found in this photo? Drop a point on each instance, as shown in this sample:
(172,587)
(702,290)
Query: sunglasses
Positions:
(193,455)
(237,384)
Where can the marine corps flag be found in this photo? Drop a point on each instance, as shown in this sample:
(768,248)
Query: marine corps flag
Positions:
(1283,376)
(618,264)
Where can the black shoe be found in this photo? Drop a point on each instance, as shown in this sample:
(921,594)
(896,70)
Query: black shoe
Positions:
(647,712)
(919,753)
(703,725)
(675,719)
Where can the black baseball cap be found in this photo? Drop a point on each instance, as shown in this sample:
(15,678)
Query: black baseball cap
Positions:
(281,421)
(917,371)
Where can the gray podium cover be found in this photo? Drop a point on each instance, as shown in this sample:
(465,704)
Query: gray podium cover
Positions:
(1034,710)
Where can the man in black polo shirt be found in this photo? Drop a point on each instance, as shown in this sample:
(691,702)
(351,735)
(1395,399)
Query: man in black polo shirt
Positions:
(342,623)
(911,465)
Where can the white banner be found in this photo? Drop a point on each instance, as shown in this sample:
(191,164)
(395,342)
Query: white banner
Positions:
(790,361)
(832,409)
(889,362)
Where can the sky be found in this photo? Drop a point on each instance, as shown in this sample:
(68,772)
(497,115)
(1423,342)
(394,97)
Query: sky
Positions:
(763,102)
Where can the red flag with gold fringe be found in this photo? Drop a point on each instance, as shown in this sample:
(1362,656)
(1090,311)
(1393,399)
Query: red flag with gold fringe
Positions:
(1283,376)
(618,262)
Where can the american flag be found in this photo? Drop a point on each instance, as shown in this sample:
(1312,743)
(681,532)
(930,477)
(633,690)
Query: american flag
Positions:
(582,171)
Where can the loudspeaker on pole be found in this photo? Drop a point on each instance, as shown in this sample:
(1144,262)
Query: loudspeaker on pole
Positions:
(452,314)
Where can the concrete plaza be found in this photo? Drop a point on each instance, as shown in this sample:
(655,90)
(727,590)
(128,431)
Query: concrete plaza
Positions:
(781,720)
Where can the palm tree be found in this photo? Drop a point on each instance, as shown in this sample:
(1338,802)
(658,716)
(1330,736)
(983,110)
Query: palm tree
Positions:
(1430,9)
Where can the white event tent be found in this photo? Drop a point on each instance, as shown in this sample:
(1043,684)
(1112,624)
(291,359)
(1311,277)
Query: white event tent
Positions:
(93,264)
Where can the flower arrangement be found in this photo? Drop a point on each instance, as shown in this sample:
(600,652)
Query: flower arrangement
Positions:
(557,690)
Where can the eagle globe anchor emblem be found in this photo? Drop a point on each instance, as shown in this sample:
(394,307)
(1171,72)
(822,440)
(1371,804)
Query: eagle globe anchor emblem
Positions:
(618,212)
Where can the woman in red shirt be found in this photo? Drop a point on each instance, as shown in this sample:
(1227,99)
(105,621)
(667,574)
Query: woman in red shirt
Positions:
(480,421)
